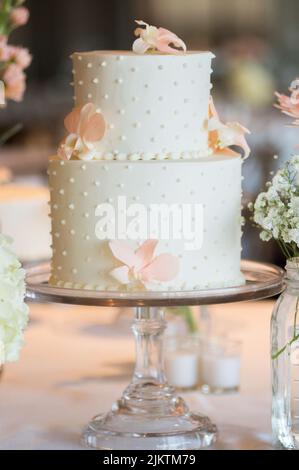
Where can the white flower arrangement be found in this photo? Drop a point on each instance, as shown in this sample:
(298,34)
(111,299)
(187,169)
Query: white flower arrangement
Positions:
(276,211)
(13,310)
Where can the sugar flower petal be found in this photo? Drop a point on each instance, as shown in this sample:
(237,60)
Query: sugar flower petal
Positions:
(163,268)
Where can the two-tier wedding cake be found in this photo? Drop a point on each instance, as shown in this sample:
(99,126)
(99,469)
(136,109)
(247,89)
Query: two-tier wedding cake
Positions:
(145,191)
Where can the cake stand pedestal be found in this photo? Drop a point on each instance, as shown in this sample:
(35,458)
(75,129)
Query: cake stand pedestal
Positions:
(150,415)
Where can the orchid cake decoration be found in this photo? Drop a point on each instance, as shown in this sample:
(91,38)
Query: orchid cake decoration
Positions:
(153,39)
(86,127)
(142,265)
(224,135)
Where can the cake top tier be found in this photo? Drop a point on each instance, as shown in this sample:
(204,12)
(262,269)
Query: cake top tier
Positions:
(154,105)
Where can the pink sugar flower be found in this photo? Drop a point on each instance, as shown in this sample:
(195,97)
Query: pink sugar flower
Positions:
(222,136)
(159,39)
(141,265)
(85,126)
(19,16)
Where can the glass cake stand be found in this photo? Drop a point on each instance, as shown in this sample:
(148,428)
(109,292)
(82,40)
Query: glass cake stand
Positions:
(150,415)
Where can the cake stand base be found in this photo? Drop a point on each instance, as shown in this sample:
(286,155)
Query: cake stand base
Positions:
(120,430)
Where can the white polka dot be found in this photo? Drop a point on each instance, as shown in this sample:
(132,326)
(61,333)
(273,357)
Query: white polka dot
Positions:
(71,180)
(62,163)
(55,207)
(121,111)
(61,191)
(137,124)
(64,253)
(80,82)
(87,237)
(89,96)
(57,234)
(103,63)
(79,57)
(106,96)
(86,215)
(122,137)
(63,222)
(111,126)
(89,65)
(85,193)
(71,207)
(119,80)
(83,167)
(74,271)
(95,80)
(72,231)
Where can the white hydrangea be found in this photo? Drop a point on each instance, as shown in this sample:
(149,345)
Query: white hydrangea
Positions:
(13,310)
(276,210)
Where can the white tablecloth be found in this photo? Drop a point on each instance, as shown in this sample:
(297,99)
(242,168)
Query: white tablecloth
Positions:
(77,361)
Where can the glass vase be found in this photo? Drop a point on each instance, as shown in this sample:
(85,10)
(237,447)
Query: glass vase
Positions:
(285,361)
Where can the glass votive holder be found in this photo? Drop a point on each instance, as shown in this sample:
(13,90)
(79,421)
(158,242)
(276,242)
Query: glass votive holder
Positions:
(182,360)
(220,364)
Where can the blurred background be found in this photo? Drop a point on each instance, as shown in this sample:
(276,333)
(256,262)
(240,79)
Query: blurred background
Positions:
(257,52)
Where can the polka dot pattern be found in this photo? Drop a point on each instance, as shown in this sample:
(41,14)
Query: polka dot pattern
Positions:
(80,257)
(132,92)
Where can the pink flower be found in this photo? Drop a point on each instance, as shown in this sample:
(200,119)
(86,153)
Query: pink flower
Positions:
(289,105)
(222,136)
(141,265)
(159,39)
(19,16)
(4,49)
(14,80)
(20,55)
(85,126)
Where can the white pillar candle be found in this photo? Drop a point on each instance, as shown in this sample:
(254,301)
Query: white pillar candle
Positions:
(182,369)
(220,372)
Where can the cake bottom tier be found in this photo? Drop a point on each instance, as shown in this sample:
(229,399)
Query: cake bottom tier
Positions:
(192,209)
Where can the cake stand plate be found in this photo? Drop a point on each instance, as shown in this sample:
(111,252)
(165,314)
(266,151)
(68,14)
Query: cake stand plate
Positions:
(150,415)
(262,280)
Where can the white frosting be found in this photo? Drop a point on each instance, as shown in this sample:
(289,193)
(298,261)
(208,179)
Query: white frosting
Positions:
(154,104)
(81,260)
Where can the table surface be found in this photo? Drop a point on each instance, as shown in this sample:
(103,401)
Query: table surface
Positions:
(77,361)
